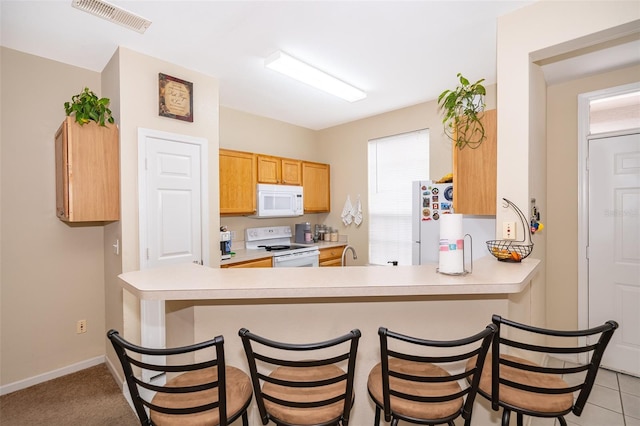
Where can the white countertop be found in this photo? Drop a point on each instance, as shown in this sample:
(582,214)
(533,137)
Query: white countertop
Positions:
(195,282)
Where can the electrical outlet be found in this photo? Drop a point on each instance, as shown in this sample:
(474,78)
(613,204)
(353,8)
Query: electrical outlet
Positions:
(81,326)
(508,230)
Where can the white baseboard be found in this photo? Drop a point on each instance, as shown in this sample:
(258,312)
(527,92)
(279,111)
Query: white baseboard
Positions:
(41,378)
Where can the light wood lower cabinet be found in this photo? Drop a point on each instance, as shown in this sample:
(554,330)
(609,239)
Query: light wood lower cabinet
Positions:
(331,256)
(255,263)
(316,187)
(237,182)
(87,172)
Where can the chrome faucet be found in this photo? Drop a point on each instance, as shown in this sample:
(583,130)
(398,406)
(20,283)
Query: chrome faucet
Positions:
(344,252)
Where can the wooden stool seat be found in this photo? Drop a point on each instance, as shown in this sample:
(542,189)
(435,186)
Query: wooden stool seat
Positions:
(531,401)
(416,409)
(238,387)
(305,416)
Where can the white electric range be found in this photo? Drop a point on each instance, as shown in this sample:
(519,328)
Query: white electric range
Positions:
(277,239)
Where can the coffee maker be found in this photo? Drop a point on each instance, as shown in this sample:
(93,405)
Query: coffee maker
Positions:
(225,245)
(303,233)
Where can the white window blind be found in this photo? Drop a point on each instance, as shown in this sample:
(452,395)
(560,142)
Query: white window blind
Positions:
(394,162)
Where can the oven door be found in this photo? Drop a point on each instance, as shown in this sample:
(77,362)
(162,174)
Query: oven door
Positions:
(295,260)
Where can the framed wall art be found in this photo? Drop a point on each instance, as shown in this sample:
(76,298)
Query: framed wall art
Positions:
(175,98)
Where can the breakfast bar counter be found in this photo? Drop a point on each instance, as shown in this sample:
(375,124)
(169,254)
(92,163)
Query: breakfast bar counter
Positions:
(182,304)
(196,282)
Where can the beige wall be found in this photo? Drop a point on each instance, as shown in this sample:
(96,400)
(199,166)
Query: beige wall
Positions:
(247,132)
(137,77)
(562,191)
(522,103)
(347,145)
(52,272)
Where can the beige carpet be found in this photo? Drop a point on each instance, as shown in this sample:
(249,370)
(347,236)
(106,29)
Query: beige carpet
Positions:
(89,397)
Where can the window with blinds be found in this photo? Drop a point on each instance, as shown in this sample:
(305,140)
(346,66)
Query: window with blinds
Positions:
(394,162)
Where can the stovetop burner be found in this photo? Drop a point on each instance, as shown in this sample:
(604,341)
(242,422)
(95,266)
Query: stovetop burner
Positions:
(275,248)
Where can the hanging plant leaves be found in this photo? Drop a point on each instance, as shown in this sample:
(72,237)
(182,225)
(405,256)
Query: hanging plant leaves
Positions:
(86,106)
(462,110)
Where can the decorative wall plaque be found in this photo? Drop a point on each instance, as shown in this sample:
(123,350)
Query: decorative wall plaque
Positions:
(176,98)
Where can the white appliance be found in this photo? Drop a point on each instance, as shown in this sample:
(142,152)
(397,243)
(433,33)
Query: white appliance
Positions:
(432,200)
(277,239)
(279,200)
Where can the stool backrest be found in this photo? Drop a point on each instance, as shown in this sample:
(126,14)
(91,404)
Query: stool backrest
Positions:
(524,338)
(266,357)
(444,355)
(159,361)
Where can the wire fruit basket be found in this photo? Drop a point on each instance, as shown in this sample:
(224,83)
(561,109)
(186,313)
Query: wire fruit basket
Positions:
(512,250)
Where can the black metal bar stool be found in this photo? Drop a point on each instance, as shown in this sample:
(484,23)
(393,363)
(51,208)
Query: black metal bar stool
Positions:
(302,384)
(206,392)
(515,383)
(412,383)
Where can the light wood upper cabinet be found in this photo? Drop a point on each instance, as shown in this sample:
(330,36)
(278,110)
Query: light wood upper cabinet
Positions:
(87,172)
(276,170)
(237,182)
(291,171)
(474,173)
(316,187)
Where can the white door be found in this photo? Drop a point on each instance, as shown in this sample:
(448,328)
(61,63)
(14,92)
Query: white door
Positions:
(172,199)
(614,245)
(173,214)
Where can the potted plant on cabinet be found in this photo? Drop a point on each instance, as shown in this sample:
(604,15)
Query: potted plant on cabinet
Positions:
(86,106)
(463,108)
(87,161)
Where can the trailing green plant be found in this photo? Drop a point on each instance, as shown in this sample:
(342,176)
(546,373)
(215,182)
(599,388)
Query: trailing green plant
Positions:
(86,106)
(463,108)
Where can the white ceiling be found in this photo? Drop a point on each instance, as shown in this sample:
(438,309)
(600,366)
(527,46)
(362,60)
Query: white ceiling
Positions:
(400,52)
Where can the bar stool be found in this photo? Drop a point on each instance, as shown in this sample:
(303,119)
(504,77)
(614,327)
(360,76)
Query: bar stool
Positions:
(206,392)
(313,389)
(411,383)
(517,384)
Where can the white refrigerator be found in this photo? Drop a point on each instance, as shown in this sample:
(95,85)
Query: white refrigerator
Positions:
(431,201)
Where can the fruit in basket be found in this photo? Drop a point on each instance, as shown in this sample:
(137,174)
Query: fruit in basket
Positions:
(501,253)
(516,256)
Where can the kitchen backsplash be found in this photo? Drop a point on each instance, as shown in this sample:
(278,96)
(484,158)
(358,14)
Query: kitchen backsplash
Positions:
(238,224)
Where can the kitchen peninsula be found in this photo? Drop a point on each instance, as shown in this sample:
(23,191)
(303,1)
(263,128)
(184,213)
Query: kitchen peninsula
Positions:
(313,304)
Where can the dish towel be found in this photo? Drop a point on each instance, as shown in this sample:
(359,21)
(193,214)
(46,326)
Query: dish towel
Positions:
(356,212)
(346,212)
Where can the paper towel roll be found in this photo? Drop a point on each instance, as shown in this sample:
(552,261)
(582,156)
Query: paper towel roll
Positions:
(451,244)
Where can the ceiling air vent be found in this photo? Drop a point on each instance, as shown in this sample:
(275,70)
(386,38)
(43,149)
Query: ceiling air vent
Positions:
(113,13)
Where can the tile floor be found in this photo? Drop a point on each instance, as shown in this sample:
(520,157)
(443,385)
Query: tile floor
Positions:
(614,401)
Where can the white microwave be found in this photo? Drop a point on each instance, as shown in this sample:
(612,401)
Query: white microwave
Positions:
(279,200)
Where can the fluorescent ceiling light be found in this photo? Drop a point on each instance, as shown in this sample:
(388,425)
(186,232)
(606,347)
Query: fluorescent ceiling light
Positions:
(292,67)
(113,13)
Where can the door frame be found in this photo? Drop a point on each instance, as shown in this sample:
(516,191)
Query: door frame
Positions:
(583,191)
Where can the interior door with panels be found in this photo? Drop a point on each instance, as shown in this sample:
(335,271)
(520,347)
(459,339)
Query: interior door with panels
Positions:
(614,245)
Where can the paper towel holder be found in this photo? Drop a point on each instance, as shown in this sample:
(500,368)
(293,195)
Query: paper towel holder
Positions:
(464,270)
